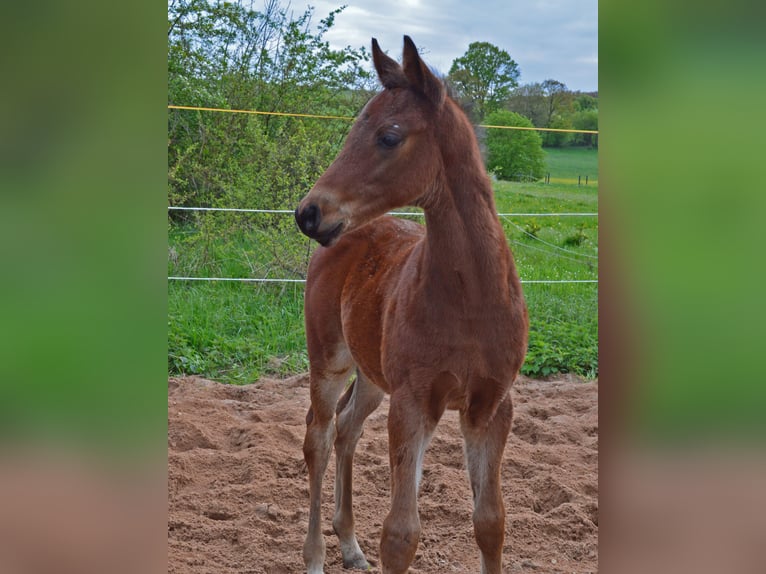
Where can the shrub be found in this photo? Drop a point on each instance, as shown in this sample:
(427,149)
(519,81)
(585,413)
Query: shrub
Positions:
(577,238)
(558,347)
(558,139)
(532,227)
(514,154)
(586,120)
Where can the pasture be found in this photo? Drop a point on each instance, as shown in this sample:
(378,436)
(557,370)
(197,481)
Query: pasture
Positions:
(237,332)
(566,164)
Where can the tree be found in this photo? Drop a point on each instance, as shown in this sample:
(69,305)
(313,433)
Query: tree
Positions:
(558,139)
(514,154)
(529,101)
(484,75)
(558,100)
(544,103)
(584,102)
(587,120)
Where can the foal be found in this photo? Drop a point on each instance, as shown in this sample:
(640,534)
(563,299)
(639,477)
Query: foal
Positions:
(435,317)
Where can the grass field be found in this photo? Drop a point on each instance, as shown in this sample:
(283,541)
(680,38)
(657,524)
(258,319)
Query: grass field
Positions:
(236,332)
(566,164)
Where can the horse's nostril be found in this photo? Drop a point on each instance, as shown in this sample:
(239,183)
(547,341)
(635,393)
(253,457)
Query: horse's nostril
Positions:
(308,219)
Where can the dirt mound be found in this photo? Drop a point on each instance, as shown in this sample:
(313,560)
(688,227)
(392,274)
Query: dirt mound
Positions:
(238,488)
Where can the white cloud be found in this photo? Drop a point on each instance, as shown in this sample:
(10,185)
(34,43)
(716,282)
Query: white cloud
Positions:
(547,38)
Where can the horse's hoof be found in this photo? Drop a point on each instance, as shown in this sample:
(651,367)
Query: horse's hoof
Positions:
(357,563)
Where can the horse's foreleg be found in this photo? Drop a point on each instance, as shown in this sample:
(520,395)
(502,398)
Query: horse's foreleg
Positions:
(317,447)
(360,401)
(484,444)
(409,432)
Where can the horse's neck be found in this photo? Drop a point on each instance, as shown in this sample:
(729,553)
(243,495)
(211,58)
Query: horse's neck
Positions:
(466,251)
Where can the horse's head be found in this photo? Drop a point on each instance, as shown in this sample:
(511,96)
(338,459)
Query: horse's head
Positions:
(391,156)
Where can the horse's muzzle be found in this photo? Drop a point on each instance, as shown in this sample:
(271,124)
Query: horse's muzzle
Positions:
(309,220)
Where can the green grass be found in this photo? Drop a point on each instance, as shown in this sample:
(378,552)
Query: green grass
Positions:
(566,164)
(563,317)
(237,332)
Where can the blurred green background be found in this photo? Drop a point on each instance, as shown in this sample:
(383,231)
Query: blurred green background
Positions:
(682,202)
(82,225)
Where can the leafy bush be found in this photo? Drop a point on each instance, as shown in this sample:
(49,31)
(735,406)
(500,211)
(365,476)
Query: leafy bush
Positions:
(558,139)
(586,120)
(577,238)
(532,227)
(514,154)
(226,55)
(558,347)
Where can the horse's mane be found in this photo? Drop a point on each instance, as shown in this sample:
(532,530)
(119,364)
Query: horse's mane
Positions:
(467,107)
(465,104)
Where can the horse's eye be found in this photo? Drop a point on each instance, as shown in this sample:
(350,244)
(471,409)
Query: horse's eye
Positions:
(390,139)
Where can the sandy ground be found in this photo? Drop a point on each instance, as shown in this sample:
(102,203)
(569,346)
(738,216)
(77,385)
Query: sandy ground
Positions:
(238,489)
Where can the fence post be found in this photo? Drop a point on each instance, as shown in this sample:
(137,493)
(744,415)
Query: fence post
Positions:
(586,180)
(578,180)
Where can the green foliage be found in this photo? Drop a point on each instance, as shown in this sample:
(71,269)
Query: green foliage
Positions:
(561,347)
(576,239)
(514,154)
(550,105)
(484,76)
(558,139)
(558,100)
(532,227)
(529,100)
(586,120)
(225,55)
(584,102)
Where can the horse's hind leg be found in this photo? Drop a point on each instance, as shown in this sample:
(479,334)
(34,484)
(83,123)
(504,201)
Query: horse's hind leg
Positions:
(485,440)
(326,387)
(361,399)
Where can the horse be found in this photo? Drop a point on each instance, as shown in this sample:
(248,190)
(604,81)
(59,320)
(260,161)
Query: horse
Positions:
(435,317)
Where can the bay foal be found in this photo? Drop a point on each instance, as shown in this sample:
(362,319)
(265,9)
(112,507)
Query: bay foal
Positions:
(434,316)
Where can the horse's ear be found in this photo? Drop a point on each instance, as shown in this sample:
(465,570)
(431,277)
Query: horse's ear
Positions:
(419,76)
(389,71)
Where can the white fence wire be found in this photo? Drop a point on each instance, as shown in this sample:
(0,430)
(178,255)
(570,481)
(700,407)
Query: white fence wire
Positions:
(399,213)
(239,210)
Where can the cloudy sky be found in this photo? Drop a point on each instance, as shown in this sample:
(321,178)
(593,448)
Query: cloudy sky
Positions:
(555,39)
